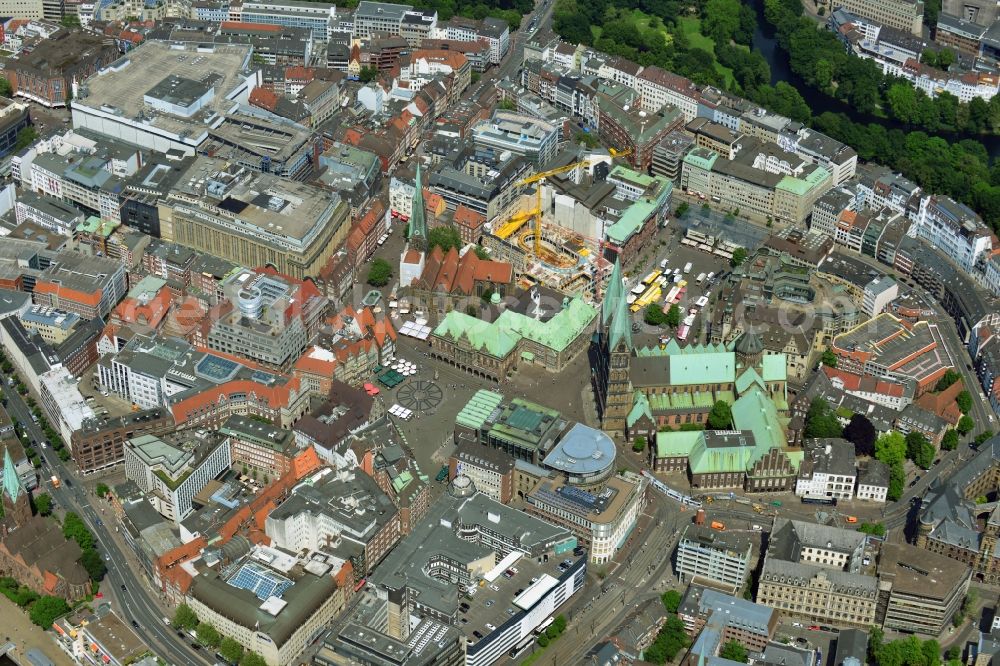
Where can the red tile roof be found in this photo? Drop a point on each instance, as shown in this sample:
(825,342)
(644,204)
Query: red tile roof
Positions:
(450,273)
(468,218)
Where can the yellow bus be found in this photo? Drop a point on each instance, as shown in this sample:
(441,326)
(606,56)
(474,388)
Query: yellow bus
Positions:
(651,278)
(651,296)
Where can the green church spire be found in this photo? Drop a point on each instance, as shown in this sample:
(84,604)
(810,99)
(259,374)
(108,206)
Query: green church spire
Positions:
(11,484)
(621,326)
(613,293)
(418,223)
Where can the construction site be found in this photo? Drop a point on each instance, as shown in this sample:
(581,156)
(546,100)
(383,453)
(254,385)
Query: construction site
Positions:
(547,253)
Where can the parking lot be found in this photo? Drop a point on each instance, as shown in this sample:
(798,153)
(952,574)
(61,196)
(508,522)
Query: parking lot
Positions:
(109,405)
(677,257)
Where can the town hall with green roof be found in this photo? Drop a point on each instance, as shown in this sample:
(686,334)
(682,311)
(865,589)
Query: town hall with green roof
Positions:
(549,336)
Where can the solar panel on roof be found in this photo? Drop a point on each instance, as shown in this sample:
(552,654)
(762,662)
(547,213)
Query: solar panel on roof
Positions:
(262,582)
(216,367)
(577,495)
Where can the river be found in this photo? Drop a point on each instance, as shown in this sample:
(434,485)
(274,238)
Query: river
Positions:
(764,40)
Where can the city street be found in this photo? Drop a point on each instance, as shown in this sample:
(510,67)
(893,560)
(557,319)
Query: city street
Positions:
(123,582)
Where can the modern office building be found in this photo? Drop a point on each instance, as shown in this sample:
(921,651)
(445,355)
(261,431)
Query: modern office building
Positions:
(372,18)
(905,15)
(173,470)
(270,601)
(318,17)
(761,180)
(343,511)
(466,538)
(255,219)
(711,557)
(533,139)
(602,518)
(271,320)
(925,589)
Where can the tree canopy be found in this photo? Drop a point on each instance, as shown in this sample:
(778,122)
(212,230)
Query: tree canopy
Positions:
(919,449)
(739,256)
(43,502)
(964,401)
(721,416)
(45,611)
(821,420)
(671,600)
(231,650)
(185,618)
(208,635)
(947,379)
(654,315)
(379,273)
(891,448)
(445,237)
(862,434)
(734,651)
(673,316)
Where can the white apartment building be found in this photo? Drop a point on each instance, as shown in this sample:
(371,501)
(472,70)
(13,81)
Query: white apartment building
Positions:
(722,557)
(658,87)
(878,294)
(954,229)
(172,473)
(873,482)
(827,470)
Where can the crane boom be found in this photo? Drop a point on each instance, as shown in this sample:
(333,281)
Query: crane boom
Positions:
(514,223)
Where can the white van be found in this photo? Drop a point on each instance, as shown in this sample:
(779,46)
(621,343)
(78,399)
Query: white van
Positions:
(663,264)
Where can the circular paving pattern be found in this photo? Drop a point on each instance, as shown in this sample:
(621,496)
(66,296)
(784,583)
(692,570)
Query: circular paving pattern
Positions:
(419,395)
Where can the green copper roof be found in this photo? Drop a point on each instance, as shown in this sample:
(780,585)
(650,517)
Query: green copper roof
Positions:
(631,221)
(11,484)
(748,378)
(478,409)
(703,368)
(613,293)
(481,335)
(676,444)
(630,175)
(702,158)
(418,225)
(775,368)
(795,457)
(621,326)
(801,186)
(705,460)
(754,411)
(502,336)
(640,408)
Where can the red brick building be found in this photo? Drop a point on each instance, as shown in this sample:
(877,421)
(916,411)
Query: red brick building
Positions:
(46,74)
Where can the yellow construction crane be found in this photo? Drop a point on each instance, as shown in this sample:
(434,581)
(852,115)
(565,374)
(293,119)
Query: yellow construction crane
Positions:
(517,221)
